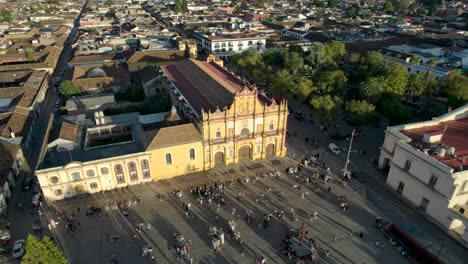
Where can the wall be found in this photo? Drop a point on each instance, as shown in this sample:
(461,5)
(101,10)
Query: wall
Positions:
(66,186)
(181,162)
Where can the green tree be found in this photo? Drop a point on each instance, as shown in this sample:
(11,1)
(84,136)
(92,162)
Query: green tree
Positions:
(237,10)
(431,64)
(332,3)
(303,88)
(370,63)
(273,58)
(293,61)
(30,56)
(248,61)
(109,2)
(371,88)
(331,81)
(42,251)
(177,7)
(416,85)
(388,7)
(455,87)
(5,16)
(401,5)
(359,111)
(69,88)
(184,6)
(334,51)
(296,48)
(395,77)
(394,110)
(353,11)
(326,107)
(281,83)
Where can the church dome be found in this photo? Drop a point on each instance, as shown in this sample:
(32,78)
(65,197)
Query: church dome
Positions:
(95,73)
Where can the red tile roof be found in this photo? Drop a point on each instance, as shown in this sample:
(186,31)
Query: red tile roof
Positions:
(455,135)
(205,85)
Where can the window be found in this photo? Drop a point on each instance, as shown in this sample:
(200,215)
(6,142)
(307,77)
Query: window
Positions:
(424,203)
(461,210)
(58,192)
(192,154)
(218,134)
(433,181)
(133,171)
(145,169)
(271,127)
(119,176)
(400,188)
(259,148)
(245,132)
(168,159)
(407,165)
(104,170)
(93,185)
(76,176)
(90,173)
(54,179)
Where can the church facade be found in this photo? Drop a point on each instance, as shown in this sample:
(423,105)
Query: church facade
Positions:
(236,121)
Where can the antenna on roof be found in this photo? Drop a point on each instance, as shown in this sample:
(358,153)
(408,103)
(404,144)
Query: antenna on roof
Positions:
(443,133)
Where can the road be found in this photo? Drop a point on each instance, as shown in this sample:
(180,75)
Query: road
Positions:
(374,188)
(21,219)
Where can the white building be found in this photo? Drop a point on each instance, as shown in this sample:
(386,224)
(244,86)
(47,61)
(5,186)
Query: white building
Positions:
(428,164)
(225,46)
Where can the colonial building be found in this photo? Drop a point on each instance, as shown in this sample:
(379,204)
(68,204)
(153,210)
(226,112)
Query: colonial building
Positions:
(226,45)
(428,164)
(236,121)
(217,119)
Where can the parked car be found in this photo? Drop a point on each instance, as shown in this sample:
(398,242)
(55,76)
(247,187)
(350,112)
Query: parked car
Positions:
(18,248)
(27,184)
(334,148)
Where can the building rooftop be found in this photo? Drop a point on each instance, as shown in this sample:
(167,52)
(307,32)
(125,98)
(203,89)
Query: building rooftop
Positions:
(172,136)
(452,136)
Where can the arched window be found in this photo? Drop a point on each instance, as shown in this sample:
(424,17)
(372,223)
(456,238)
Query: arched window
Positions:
(145,169)
(192,154)
(168,159)
(133,171)
(245,132)
(119,175)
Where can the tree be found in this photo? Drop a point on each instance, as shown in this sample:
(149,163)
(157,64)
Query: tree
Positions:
(237,10)
(5,16)
(303,88)
(370,63)
(177,7)
(371,88)
(388,7)
(415,86)
(455,87)
(282,83)
(394,110)
(334,51)
(69,88)
(293,61)
(395,77)
(248,61)
(331,81)
(184,6)
(431,63)
(30,56)
(296,48)
(325,105)
(42,251)
(359,111)
(332,3)
(401,5)
(414,60)
(353,11)
(109,2)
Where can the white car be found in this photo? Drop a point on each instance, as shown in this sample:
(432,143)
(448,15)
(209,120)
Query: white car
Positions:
(334,148)
(18,248)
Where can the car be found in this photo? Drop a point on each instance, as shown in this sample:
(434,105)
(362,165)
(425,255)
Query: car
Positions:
(18,248)
(334,148)
(26,184)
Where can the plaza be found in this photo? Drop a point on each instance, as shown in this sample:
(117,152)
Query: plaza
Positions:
(332,230)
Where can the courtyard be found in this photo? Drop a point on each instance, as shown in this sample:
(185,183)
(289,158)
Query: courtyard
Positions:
(333,229)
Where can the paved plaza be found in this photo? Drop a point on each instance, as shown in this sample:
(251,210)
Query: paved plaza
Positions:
(333,230)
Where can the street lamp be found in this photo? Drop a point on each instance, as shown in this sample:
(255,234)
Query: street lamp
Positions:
(345,171)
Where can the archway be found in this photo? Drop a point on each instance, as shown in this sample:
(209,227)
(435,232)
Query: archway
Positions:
(79,189)
(457,227)
(219,158)
(244,153)
(270,150)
